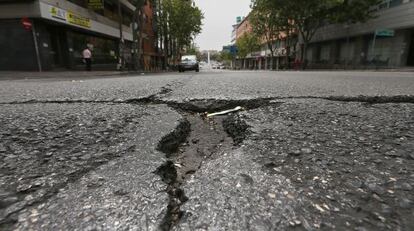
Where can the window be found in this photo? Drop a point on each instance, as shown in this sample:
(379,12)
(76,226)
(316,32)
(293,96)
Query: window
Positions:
(104,50)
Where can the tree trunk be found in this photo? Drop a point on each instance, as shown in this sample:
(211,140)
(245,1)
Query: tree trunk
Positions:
(139,50)
(277,64)
(271,62)
(272,57)
(304,55)
(287,57)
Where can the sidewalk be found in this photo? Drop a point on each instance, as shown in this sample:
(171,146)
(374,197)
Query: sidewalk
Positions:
(16,75)
(402,69)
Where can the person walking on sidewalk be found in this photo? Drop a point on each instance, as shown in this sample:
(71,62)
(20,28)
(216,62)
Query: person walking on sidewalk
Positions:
(87,58)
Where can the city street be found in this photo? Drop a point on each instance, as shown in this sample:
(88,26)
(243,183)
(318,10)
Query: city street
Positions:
(309,150)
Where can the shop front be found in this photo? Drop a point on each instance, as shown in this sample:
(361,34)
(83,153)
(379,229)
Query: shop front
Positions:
(70,33)
(410,57)
(55,39)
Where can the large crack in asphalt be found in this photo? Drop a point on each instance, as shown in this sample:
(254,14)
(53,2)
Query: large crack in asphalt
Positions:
(169,173)
(212,104)
(197,138)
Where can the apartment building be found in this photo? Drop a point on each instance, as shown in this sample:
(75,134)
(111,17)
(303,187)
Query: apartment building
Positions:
(385,41)
(151,58)
(58,30)
(262,58)
(251,60)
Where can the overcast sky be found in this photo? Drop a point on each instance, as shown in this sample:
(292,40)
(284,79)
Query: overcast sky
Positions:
(219,16)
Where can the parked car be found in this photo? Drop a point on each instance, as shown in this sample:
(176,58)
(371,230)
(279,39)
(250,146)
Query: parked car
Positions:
(189,63)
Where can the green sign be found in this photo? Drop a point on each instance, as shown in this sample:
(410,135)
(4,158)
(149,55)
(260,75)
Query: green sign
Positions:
(96,4)
(384,33)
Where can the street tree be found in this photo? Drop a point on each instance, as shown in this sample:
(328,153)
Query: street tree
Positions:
(247,44)
(270,23)
(353,11)
(227,57)
(310,15)
(193,50)
(183,22)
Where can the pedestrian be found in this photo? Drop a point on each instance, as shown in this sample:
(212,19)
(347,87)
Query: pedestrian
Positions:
(87,58)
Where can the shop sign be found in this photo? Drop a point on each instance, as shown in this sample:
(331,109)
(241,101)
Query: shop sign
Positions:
(78,20)
(256,54)
(58,13)
(69,17)
(96,4)
(385,33)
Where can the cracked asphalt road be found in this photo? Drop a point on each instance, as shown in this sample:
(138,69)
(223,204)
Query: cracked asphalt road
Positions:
(311,151)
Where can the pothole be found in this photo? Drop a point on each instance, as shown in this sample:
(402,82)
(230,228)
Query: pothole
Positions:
(214,105)
(236,127)
(186,149)
(170,143)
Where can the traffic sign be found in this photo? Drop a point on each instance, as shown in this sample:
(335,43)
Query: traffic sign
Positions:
(384,33)
(27,24)
(232,49)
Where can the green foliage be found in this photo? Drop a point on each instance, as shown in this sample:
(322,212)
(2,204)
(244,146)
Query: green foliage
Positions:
(184,20)
(226,56)
(310,15)
(352,11)
(269,16)
(192,51)
(247,43)
(269,19)
(216,57)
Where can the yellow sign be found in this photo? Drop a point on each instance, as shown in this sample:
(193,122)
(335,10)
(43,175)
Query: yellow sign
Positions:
(69,17)
(78,20)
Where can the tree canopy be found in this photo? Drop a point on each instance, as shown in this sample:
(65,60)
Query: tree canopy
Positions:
(308,15)
(268,20)
(247,43)
(184,21)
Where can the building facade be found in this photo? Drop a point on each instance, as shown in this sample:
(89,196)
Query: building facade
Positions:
(151,57)
(385,41)
(61,29)
(262,58)
(251,60)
